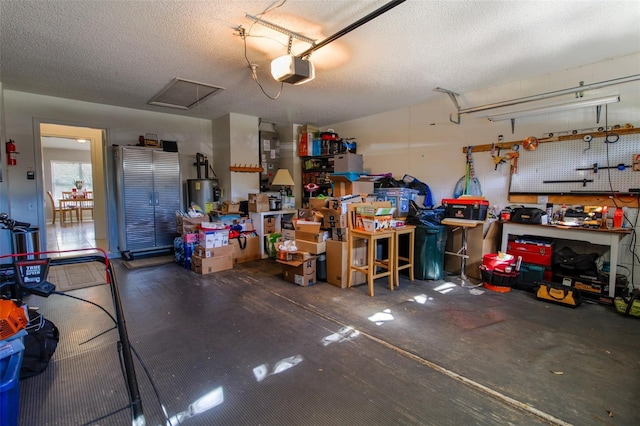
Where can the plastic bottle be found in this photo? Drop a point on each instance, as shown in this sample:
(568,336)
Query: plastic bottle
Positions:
(617,218)
(605,215)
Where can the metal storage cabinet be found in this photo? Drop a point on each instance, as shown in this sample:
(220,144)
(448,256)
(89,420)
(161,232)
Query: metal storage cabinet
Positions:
(148,194)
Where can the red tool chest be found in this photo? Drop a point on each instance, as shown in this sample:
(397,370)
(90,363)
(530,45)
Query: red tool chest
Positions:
(535,252)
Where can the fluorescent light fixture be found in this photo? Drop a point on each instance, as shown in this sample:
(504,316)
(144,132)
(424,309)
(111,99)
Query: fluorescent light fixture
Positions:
(293,70)
(581,103)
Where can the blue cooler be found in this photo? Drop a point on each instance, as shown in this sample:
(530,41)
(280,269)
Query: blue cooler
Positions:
(11,352)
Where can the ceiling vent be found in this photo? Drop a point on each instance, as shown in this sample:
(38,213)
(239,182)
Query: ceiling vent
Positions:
(183,94)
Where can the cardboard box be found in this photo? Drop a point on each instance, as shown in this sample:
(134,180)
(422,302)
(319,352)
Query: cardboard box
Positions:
(341,205)
(212,264)
(334,219)
(189,224)
(206,253)
(309,128)
(249,251)
(475,244)
(343,186)
(310,247)
(230,207)
(345,163)
(269,226)
(318,203)
(373,219)
(258,203)
(312,237)
(307,226)
(305,214)
(353,207)
(337,262)
(302,272)
(288,234)
(339,234)
(214,238)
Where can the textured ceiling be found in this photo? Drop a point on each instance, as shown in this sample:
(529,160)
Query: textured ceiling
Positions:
(123,52)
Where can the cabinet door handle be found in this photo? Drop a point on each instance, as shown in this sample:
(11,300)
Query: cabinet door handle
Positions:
(151,199)
(157,194)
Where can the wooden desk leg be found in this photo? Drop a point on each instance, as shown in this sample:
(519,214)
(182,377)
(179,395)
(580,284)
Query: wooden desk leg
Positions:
(349,259)
(412,236)
(392,262)
(371,266)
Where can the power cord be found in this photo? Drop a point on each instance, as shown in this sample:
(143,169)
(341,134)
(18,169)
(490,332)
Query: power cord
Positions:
(142,364)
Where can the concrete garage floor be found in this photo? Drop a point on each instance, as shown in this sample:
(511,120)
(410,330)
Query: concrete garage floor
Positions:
(266,352)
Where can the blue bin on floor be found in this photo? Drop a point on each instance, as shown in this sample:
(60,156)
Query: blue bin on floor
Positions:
(10,363)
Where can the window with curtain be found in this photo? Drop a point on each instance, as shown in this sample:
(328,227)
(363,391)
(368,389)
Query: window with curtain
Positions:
(64,174)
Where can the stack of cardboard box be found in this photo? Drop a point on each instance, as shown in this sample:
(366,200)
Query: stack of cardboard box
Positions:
(213,252)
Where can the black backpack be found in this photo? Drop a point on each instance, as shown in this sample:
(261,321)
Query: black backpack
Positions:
(39,345)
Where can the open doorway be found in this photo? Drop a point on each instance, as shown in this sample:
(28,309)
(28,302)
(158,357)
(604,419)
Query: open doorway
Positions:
(74,187)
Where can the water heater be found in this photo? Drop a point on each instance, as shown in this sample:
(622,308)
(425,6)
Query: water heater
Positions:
(203,191)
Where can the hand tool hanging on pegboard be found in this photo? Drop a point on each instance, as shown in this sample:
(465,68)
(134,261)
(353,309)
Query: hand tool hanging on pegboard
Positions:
(595,167)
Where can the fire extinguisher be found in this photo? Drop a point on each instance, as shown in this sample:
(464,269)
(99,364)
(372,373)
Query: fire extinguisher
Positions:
(11,153)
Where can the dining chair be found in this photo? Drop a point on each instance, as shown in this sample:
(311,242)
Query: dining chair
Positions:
(86,204)
(62,210)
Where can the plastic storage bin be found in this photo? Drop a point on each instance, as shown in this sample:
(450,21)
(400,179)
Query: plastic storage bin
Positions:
(429,252)
(399,198)
(10,379)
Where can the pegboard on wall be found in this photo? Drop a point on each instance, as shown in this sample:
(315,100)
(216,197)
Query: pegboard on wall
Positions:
(560,161)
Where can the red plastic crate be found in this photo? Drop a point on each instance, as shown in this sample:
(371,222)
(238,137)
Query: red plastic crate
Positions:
(535,252)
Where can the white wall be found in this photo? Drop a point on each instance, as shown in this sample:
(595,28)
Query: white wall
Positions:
(123,126)
(422,142)
(235,142)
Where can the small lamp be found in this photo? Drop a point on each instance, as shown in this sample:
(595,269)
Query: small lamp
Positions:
(284,179)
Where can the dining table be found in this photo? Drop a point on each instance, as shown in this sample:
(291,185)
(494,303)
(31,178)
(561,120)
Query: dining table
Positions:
(79,202)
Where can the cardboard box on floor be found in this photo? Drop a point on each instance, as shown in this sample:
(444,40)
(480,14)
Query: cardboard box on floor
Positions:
(220,260)
(477,247)
(337,262)
(301,272)
(246,248)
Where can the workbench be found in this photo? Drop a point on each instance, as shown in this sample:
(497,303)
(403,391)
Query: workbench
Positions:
(604,237)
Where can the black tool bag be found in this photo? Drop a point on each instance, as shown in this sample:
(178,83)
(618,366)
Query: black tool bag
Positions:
(568,262)
(39,345)
(527,215)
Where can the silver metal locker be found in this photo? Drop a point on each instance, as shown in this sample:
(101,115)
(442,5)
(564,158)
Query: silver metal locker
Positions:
(148,195)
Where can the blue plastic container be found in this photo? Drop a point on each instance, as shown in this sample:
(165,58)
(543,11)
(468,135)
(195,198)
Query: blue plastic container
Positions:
(399,198)
(10,381)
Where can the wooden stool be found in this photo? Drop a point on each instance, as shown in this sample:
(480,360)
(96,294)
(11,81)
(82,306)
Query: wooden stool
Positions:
(410,231)
(373,263)
(462,253)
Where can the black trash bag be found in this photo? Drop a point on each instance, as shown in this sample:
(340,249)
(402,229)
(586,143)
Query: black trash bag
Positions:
(567,261)
(421,216)
(389,182)
(39,345)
